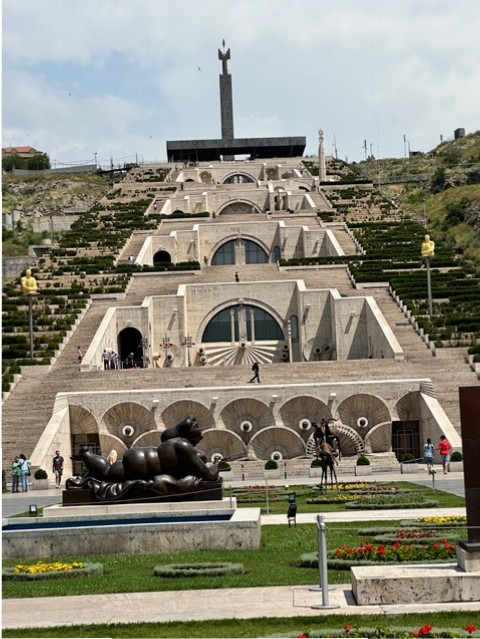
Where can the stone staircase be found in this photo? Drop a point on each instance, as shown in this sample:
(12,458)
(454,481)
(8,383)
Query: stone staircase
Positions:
(27,410)
(134,245)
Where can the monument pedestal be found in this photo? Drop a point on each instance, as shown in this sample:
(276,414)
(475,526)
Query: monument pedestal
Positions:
(468,556)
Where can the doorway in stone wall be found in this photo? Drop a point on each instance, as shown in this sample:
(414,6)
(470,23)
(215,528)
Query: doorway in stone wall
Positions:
(406,438)
(130,348)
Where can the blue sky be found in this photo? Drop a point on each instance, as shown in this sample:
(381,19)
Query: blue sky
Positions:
(120,77)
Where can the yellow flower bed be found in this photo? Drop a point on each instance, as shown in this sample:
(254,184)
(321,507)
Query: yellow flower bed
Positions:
(450,519)
(43,567)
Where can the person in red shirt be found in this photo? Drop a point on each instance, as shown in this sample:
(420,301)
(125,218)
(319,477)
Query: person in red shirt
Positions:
(445,450)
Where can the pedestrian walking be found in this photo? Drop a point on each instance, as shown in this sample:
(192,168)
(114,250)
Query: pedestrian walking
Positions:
(57,468)
(79,354)
(445,450)
(256,373)
(428,449)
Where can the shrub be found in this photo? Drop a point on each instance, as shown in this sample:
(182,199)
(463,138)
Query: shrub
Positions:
(456,456)
(363,461)
(316,463)
(271,465)
(41,474)
(408,458)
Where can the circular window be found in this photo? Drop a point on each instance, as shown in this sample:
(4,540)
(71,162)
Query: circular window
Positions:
(128,430)
(276,455)
(304,424)
(362,422)
(246,426)
(215,458)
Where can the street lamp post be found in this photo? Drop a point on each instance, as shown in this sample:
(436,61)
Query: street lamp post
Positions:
(188,342)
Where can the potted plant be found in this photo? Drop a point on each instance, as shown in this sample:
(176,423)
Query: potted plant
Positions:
(316,467)
(408,464)
(362,467)
(271,469)
(226,471)
(456,462)
(40,480)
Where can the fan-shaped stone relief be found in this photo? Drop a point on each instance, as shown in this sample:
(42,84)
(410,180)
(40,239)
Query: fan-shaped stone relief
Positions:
(277,440)
(379,439)
(178,410)
(351,443)
(82,421)
(109,443)
(235,414)
(362,412)
(224,443)
(407,407)
(239,354)
(128,421)
(152,438)
(301,408)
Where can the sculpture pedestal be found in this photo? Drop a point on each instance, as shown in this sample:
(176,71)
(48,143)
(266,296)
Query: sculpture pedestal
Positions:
(206,491)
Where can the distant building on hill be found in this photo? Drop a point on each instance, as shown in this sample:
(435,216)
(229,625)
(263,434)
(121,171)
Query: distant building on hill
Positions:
(21,151)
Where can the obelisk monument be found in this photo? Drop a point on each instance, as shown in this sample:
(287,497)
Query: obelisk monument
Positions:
(226,101)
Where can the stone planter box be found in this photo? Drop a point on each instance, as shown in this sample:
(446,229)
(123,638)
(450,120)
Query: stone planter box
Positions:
(407,469)
(275,473)
(227,475)
(363,471)
(40,484)
(315,471)
(456,467)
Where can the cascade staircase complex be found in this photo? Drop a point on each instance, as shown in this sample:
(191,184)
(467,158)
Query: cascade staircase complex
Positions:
(326,348)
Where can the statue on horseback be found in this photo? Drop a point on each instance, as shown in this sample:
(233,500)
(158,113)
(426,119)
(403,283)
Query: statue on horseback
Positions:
(327,446)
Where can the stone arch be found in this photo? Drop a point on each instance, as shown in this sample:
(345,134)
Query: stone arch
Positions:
(351,443)
(128,421)
(130,340)
(109,442)
(82,420)
(162,256)
(242,176)
(205,177)
(238,205)
(277,439)
(234,238)
(225,443)
(303,408)
(238,412)
(184,407)
(150,438)
(407,407)
(379,438)
(235,302)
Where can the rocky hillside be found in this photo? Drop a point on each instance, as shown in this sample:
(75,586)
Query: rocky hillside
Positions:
(45,195)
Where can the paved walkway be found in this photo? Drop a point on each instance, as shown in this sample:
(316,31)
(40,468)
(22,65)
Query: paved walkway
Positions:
(228,603)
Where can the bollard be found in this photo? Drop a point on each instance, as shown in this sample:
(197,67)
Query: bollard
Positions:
(266,495)
(323,565)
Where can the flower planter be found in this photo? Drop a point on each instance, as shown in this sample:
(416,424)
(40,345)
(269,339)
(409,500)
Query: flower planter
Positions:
(40,484)
(407,469)
(456,467)
(363,471)
(275,473)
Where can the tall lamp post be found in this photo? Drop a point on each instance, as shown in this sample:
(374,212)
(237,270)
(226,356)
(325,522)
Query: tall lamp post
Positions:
(188,342)
(427,251)
(30,288)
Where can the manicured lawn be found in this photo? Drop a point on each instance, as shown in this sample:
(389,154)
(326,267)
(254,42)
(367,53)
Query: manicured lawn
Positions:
(255,496)
(452,624)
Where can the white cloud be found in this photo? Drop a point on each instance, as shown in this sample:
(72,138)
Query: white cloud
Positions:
(370,70)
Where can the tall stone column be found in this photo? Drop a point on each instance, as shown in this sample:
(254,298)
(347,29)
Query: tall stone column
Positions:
(322,167)
(226,100)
